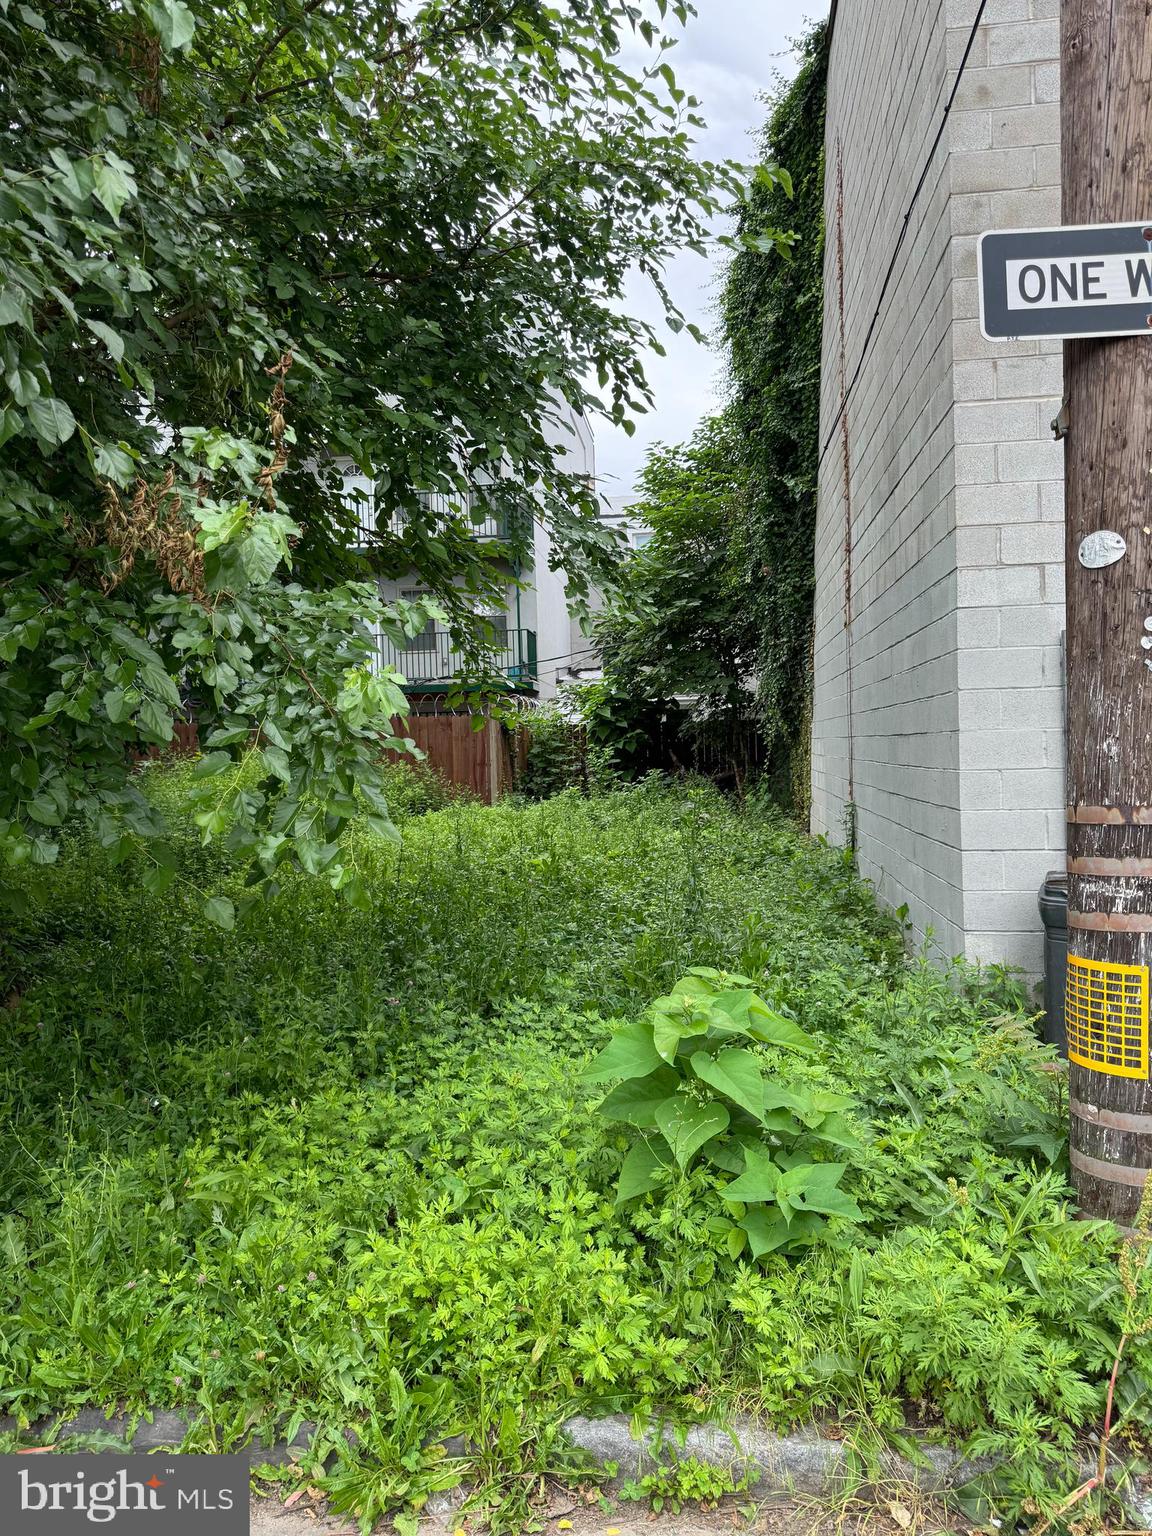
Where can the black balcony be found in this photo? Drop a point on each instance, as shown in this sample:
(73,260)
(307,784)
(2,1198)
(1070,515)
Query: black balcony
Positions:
(433,660)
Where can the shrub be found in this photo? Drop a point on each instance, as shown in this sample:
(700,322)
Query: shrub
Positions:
(693,1083)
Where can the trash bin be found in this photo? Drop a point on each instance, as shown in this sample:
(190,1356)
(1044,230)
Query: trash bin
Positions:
(1054,915)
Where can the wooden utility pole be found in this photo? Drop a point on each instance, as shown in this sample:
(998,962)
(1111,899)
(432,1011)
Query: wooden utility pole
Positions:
(1106,129)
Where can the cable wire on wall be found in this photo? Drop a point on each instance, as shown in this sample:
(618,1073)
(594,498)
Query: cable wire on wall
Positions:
(904,227)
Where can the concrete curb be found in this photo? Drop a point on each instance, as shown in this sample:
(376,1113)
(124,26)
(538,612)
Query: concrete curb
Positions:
(166,1431)
(802,1462)
(805,1462)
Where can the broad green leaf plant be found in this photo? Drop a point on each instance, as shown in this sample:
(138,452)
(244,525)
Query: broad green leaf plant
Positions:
(693,1082)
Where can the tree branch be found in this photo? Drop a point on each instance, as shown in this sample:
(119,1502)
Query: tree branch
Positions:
(266,53)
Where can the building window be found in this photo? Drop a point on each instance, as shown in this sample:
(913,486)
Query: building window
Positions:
(499,623)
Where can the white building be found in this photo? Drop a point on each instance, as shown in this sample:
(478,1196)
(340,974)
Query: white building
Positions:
(620,514)
(535,635)
(938,725)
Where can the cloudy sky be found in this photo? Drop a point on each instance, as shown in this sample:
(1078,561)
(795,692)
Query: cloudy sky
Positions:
(729,54)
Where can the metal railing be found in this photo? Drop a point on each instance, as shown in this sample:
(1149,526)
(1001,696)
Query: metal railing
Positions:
(433,659)
(473,509)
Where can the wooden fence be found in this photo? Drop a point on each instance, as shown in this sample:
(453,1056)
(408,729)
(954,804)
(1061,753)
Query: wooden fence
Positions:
(478,760)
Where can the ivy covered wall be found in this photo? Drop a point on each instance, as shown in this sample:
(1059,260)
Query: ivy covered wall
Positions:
(772,313)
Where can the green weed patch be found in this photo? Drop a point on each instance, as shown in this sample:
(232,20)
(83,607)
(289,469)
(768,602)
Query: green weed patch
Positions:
(343,1166)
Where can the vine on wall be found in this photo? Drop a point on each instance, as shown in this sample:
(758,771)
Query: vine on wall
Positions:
(772,314)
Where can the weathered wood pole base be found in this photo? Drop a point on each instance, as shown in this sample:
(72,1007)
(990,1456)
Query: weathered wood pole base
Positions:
(1106,87)
(1109,485)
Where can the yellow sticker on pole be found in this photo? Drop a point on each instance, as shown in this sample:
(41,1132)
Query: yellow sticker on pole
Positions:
(1106,1015)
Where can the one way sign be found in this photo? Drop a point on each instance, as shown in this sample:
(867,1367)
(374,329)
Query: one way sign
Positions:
(1082,280)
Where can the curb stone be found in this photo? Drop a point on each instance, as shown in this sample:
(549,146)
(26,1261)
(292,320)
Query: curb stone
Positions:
(802,1462)
(165,1431)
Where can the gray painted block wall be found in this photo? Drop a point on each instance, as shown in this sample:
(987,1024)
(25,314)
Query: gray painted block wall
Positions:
(955,481)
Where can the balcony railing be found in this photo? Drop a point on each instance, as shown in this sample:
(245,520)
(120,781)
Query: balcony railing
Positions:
(481,519)
(432,660)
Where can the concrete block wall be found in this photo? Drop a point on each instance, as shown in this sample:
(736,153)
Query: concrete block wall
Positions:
(1004,151)
(900,749)
(956,740)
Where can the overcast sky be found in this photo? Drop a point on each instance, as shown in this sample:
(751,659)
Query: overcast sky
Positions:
(728,56)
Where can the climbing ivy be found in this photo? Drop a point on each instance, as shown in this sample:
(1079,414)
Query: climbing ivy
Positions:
(772,313)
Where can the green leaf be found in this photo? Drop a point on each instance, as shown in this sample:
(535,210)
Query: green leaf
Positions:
(44,810)
(1051,1147)
(735,1074)
(15,308)
(724,979)
(667,1032)
(173,21)
(687,1125)
(111,339)
(813,1187)
(261,550)
(158,681)
(759,1180)
(837,1131)
(736,1005)
(276,761)
(641,1170)
(114,187)
(211,764)
(629,1053)
(11,424)
(384,827)
(113,463)
(155,719)
(356,893)
(315,857)
(683,1015)
(636,1100)
(118,706)
(768,1230)
(813,1106)
(725,1152)
(51,420)
(219,910)
(774,1029)
(158,879)
(23,383)
(776,1097)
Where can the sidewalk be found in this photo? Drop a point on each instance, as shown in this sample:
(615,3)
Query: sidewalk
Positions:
(773,1517)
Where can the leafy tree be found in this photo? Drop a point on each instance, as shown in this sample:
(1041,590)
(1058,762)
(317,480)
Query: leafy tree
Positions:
(722,604)
(719,605)
(240,241)
(677,626)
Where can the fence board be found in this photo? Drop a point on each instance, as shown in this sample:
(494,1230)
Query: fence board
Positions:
(476,760)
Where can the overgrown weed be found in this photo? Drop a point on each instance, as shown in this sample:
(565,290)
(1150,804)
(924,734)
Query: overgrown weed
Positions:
(339,1166)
